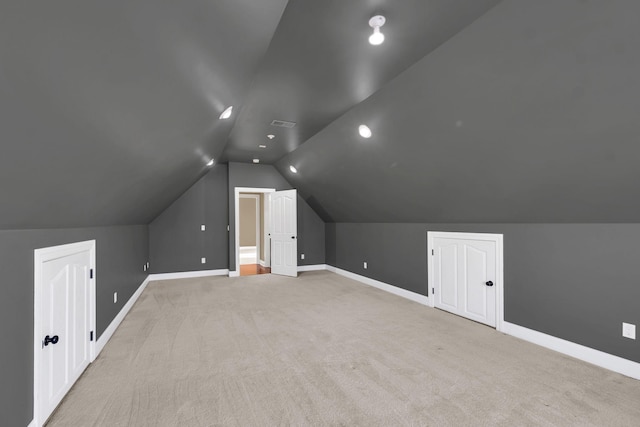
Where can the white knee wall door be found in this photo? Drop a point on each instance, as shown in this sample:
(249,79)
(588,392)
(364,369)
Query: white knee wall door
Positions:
(465,275)
(64,322)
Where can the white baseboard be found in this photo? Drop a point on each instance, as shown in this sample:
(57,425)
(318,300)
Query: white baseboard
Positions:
(248,255)
(586,354)
(262,263)
(108,333)
(32,423)
(421,299)
(188,274)
(234,274)
(314,267)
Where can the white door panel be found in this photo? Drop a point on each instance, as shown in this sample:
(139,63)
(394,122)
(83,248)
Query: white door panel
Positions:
(447,272)
(475,278)
(284,230)
(462,269)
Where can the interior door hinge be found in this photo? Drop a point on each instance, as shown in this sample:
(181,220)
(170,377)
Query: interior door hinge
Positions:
(433,291)
(91,274)
(91,336)
(432,252)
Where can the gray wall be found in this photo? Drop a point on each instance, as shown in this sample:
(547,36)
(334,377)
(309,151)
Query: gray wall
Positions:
(578,282)
(176,242)
(311,229)
(121,252)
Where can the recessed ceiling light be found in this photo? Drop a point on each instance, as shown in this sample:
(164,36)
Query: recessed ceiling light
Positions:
(226,113)
(270,136)
(210,162)
(256,160)
(293,169)
(364,131)
(262,146)
(377,37)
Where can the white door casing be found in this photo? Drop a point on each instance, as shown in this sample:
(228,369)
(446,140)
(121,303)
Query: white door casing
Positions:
(465,275)
(64,311)
(284,233)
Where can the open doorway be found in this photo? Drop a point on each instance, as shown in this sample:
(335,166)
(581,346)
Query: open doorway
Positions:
(251,216)
(276,240)
(252,222)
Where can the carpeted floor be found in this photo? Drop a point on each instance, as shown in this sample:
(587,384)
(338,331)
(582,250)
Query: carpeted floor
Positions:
(324,350)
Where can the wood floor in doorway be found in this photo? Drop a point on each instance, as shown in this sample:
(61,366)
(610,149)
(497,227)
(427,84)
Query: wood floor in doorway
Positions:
(253,269)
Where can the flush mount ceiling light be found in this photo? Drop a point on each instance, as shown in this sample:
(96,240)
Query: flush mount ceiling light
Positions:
(377,37)
(262,146)
(226,113)
(364,131)
(210,162)
(270,136)
(256,160)
(293,169)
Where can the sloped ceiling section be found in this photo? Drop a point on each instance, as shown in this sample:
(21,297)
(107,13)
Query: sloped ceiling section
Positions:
(109,110)
(530,114)
(320,65)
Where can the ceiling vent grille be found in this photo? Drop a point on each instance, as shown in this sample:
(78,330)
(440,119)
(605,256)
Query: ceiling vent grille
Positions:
(282,124)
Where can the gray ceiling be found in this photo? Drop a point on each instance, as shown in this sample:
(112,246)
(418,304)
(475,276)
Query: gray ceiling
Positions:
(530,114)
(517,112)
(109,110)
(320,65)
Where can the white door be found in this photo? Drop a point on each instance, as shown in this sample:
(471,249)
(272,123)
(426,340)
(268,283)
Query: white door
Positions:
(464,272)
(63,292)
(284,233)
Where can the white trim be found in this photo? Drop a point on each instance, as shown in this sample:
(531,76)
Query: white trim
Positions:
(32,423)
(586,354)
(499,281)
(106,335)
(262,263)
(237,191)
(188,274)
(421,299)
(40,256)
(314,267)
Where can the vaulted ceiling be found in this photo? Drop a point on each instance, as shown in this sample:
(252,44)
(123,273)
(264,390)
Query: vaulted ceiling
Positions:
(481,111)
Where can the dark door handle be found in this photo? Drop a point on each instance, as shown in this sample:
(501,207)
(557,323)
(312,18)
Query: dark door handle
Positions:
(53,340)
(489,283)
(293,237)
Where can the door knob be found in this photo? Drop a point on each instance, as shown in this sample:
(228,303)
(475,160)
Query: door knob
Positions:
(489,283)
(293,237)
(53,340)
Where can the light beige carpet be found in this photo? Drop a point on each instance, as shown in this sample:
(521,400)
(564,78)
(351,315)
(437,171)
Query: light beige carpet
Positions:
(324,350)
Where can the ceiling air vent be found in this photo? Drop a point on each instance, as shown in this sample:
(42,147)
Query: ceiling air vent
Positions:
(282,124)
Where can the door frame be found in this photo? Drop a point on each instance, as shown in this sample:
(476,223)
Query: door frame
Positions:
(267,217)
(40,256)
(259,240)
(499,280)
